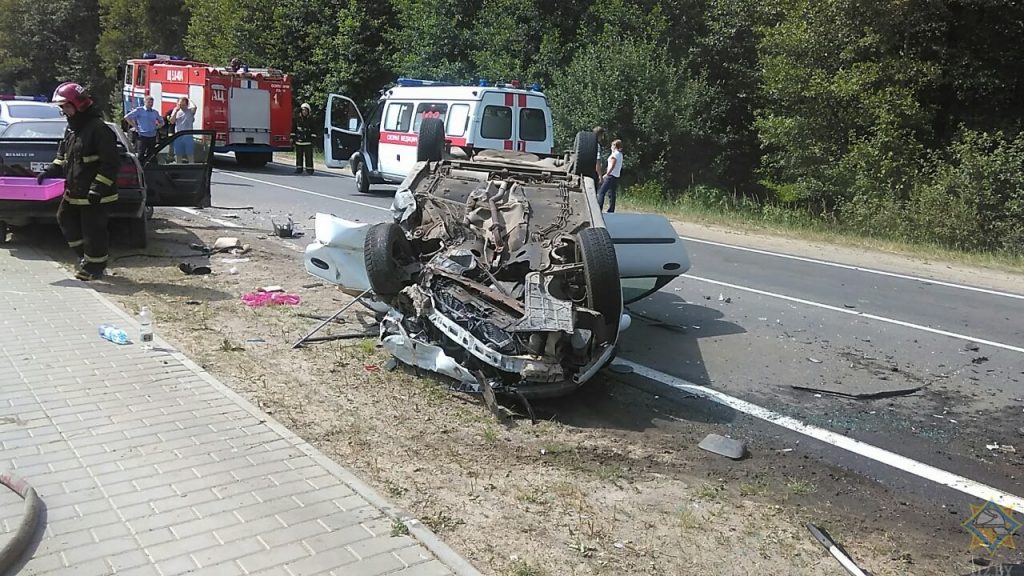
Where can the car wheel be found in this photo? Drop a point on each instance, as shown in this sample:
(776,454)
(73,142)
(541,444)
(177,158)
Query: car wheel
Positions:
(601,269)
(584,151)
(3,232)
(354,165)
(430,146)
(148,213)
(138,232)
(387,251)
(363,179)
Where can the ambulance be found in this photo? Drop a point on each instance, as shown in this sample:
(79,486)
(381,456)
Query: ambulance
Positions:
(383,147)
(249,110)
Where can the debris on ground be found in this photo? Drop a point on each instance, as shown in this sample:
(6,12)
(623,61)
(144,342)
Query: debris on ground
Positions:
(979,360)
(814,360)
(226,243)
(286,230)
(861,390)
(272,288)
(835,550)
(256,299)
(193,270)
(1001,447)
(718,444)
(971,347)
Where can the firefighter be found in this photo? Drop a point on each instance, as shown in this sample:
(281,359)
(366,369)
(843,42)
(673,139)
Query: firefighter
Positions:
(302,138)
(88,161)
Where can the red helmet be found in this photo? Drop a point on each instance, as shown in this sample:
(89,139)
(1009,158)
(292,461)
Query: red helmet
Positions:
(73,93)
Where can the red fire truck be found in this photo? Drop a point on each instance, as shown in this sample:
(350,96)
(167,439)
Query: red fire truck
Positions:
(249,109)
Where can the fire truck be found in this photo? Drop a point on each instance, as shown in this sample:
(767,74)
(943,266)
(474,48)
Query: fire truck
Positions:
(249,109)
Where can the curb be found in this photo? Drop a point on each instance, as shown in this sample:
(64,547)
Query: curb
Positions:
(424,535)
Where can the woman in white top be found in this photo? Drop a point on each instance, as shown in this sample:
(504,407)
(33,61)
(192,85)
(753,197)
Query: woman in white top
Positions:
(183,117)
(610,180)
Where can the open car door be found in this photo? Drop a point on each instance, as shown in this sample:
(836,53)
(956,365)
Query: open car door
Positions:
(649,251)
(343,130)
(179,173)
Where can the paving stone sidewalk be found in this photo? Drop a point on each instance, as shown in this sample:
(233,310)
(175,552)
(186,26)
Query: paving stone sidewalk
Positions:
(149,466)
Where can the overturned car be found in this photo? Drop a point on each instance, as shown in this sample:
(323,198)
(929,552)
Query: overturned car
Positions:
(499,271)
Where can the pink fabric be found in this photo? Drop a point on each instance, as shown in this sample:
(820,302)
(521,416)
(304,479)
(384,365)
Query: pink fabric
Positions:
(256,299)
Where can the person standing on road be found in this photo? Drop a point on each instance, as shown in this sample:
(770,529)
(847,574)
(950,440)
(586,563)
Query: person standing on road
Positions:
(146,122)
(183,118)
(88,160)
(599,164)
(610,180)
(302,139)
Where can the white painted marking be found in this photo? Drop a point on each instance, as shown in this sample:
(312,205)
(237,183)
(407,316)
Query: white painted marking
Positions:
(195,212)
(861,314)
(310,192)
(858,268)
(908,465)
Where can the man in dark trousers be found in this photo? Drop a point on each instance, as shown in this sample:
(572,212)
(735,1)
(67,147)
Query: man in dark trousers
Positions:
(87,159)
(303,130)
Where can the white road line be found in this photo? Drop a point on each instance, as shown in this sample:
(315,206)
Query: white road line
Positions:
(310,192)
(194,212)
(908,465)
(858,268)
(861,314)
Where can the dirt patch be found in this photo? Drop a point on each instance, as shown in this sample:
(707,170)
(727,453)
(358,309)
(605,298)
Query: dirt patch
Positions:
(607,482)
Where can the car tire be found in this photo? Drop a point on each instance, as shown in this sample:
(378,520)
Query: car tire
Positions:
(354,165)
(386,251)
(430,146)
(363,179)
(3,232)
(138,232)
(584,148)
(601,270)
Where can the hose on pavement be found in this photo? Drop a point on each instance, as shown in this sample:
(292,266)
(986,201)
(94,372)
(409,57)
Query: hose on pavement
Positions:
(22,537)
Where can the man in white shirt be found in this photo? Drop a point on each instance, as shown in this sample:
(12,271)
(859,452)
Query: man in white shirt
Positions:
(183,117)
(610,180)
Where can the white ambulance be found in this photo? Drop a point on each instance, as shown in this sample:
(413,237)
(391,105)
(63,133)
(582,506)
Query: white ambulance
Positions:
(384,147)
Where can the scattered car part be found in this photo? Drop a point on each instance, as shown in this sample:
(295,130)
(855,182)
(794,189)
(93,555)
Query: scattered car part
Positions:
(728,447)
(330,319)
(835,550)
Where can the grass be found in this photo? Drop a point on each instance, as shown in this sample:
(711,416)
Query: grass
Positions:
(398,528)
(524,568)
(710,491)
(800,225)
(801,487)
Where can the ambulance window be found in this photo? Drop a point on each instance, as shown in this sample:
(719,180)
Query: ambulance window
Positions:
(532,125)
(458,120)
(140,78)
(496,123)
(398,117)
(428,110)
(129,73)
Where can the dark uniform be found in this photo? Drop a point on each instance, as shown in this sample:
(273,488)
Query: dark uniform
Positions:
(304,129)
(88,160)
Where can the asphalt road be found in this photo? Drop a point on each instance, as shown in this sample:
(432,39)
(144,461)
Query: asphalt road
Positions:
(755,325)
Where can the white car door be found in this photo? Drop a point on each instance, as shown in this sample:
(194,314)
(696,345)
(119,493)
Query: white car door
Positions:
(343,130)
(649,251)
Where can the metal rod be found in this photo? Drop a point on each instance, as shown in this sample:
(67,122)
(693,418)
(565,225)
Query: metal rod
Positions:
(329,320)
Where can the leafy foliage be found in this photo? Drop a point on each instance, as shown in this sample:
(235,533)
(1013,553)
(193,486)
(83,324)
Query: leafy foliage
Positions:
(896,118)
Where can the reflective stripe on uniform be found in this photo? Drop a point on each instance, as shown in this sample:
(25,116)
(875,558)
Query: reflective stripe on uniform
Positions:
(88,159)
(303,143)
(58,162)
(108,199)
(75,243)
(76,201)
(95,259)
(103,179)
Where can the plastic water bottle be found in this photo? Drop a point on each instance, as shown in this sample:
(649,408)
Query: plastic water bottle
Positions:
(114,334)
(146,327)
